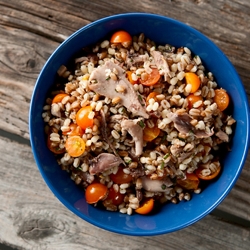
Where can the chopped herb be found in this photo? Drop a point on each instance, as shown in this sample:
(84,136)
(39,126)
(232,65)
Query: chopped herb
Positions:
(141,100)
(166,156)
(164,137)
(181,139)
(141,124)
(128,162)
(138,74)
(163,186)
(79,168)
(162,165)
(108,78)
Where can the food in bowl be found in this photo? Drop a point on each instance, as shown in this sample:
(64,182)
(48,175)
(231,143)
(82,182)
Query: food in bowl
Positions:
(137,124)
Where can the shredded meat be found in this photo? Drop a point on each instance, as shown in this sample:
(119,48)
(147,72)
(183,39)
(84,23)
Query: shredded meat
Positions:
(222,136)
(107,87)
(156,185)
(103,162)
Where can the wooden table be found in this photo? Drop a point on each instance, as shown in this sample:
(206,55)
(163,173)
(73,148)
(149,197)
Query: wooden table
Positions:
(30,216)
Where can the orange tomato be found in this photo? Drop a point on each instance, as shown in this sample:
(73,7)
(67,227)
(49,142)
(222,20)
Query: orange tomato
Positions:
(194,80)
(120,177)
(74,129)
(191,181)
(59,97)
(198,172)
(152,95)
(149,134)
(75,146)
(82,118)
(116,197)
(146,207)
(55,150)
(193,99)
(221,98)
(95,192)
(152,78)
(121,36)
(129,76)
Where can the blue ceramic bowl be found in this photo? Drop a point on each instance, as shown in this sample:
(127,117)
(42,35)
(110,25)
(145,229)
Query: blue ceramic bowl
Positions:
(171,217)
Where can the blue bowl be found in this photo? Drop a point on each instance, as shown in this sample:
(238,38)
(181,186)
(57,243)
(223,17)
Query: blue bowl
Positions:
(171,217)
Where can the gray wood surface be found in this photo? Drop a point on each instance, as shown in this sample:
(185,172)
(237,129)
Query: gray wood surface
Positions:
(30,216)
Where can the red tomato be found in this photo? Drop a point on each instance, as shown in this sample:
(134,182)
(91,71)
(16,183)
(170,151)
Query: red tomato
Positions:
(120,177)
(149,134)
(194,80)
(221,98)
(198,172)
(59,97)
(74,129)
(121,37)
(152,78)
(95,192)
(152,95)
(116,197)
(82,118)
(55,150)
(193,99)
(75,146)
(129,76)
(146,207)
(191,181)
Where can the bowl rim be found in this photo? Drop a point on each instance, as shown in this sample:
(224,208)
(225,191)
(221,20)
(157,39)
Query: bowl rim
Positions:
(65,202)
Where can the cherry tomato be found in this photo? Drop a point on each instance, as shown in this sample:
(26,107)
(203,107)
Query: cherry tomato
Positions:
(194,80)
(59,97)
(198,172)
(152,95)
(149,134)
(82,118)
(221,98)
(121,37)
(95,192)
(120,177)
(152,78)
(74,129)
(191,181)
(129,76)
(75,146)
(193,99)
(146,207)
(116,197)
(55,150)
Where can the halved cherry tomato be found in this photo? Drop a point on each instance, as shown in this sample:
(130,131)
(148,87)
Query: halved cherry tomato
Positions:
(74,129)
(120,177)
(95,192)
(55,150)
(152,78)
(129,76)
(75,146)
(121,37)
(82,117)
(146,207)
(221,98)
(149,134)
(198,172)
(191,181)
(59,97)
(193,99)
(152,95)
(116,197)
(194,80)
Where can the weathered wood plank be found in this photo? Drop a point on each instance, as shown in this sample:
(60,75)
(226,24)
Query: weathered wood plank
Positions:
(32,218)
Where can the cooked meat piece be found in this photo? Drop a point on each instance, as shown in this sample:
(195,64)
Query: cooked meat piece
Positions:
(156,185)
(106,86)
(161,64)
(136,132)
(222,136)
(136,59)
(184,155)
(183,124)
(103,162)
(176,149)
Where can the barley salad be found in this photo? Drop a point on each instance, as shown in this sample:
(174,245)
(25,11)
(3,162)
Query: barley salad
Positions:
(137,124)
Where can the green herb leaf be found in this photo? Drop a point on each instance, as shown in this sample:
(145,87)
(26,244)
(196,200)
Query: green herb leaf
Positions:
(166,156)
(163,186)
(162,165)
(141,124)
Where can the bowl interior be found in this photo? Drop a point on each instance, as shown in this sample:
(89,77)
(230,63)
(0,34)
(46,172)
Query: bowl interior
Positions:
(171,217)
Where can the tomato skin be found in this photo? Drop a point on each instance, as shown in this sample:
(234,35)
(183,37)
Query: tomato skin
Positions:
(82,118)
(95,192)
(191,181)
(120,177)
(194,80)
(74,129)
(222,99)
(149,134)
(116,197)
(75,146)
(199,174)
(129,76)
(121,36)
(59,97)
(146,207)
(193,99)
(55,150)
(152,79)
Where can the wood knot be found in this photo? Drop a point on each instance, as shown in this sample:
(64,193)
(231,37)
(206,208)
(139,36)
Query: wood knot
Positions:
(31,63)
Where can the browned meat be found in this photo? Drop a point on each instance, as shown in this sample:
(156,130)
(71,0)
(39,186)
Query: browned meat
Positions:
(136,59)
(161,64)
(222,136)
(183,124)
(106,86)
(136,132)
(103,162)
(156,185)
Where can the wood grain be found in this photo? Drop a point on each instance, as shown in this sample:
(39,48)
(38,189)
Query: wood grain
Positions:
(34,219)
